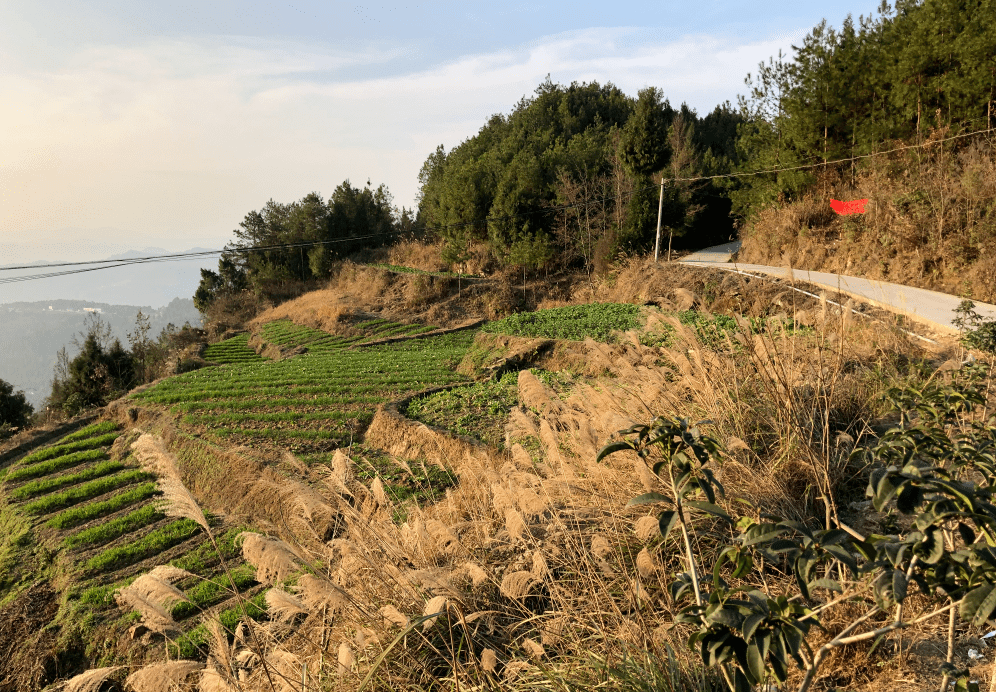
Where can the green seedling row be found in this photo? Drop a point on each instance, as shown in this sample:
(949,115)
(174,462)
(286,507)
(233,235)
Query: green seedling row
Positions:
(84,513)
(92,430)
(196,560)
(44,468)
(285,417)
(152,543)
(63,449)
(232,350)
(105,533)
(270,434)
(44,486)
(267,404)
(208,592)
(84,492)
(194,644)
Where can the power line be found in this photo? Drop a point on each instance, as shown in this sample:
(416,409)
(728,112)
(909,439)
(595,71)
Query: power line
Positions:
(836,161)
(108,264)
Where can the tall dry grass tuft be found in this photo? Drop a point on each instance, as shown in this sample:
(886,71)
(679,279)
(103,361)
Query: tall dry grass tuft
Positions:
(273,559)
(91,680)
(176,500)
(154,615)
(162,677)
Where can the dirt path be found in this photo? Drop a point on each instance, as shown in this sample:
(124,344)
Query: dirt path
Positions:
(932,309)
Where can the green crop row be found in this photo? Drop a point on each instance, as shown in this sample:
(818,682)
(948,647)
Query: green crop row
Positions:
(198,559)
(479,410)
(286,416)
(271,434)
(84,492)
(84,513)
(91,430)
(152,543)
(267,404)
(43,486)
(208,592)
(231,350)
(575,322)
(193,644)
(44,468)
(105,533)
(63,449)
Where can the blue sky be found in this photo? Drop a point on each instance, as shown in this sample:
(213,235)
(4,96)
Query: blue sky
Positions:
(133,124)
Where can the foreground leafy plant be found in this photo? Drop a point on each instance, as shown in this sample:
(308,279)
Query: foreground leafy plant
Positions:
(929,465)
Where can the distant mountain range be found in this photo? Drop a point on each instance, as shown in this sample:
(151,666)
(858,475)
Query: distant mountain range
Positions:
(40,316)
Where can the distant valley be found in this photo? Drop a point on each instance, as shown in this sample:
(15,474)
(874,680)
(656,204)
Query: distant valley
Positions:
(31,333)
(40,316)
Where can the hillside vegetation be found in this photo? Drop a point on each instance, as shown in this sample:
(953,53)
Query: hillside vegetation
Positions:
(489,445)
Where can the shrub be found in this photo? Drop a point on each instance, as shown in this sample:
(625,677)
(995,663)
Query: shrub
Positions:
(936,465)
(15,411)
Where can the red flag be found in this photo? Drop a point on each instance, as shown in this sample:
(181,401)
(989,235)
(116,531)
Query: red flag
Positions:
(844,208)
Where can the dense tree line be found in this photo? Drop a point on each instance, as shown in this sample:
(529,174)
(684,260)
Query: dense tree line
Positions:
(572,174)
(573,171)
(304,238)
(890,77)
(15,411)
(885,78)
(104,369)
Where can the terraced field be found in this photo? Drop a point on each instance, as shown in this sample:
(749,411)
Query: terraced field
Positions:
(234,350)
(100,518)
(313,402)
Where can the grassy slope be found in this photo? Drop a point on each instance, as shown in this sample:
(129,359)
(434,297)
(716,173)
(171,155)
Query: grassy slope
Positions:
(76,517)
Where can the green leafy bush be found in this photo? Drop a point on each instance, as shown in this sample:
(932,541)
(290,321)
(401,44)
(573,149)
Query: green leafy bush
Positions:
(936,465)
(478,410)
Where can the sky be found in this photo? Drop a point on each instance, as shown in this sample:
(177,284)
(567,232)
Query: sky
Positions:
(129,123)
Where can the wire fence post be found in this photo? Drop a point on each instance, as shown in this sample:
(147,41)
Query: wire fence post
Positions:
(660,208)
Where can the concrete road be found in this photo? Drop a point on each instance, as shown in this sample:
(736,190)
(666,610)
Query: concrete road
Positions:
(716,253)
(932,309)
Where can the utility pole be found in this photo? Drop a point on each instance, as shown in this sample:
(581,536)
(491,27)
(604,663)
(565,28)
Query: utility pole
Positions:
(660,208)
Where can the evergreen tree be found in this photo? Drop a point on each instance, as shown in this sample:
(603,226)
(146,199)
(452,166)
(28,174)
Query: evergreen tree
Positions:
(15,411)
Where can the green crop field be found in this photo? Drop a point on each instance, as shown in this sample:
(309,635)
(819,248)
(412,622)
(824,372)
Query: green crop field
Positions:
(574,322)
(101,519)
(316,401)
(234,350)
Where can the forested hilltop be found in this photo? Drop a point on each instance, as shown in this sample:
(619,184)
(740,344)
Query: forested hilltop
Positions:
(571,176)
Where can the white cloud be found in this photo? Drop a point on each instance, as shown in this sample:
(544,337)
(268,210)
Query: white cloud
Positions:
(177,140)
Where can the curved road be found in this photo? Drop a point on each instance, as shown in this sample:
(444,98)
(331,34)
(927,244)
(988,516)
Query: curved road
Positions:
(932,309)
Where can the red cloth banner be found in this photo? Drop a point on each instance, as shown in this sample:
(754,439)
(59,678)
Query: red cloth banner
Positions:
(853,207)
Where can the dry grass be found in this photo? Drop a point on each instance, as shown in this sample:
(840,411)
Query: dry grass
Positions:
(929,222)
(162,677)
(535,569)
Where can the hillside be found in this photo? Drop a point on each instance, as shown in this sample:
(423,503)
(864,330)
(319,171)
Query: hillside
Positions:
(35,331)
(930,221)
(422,499)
